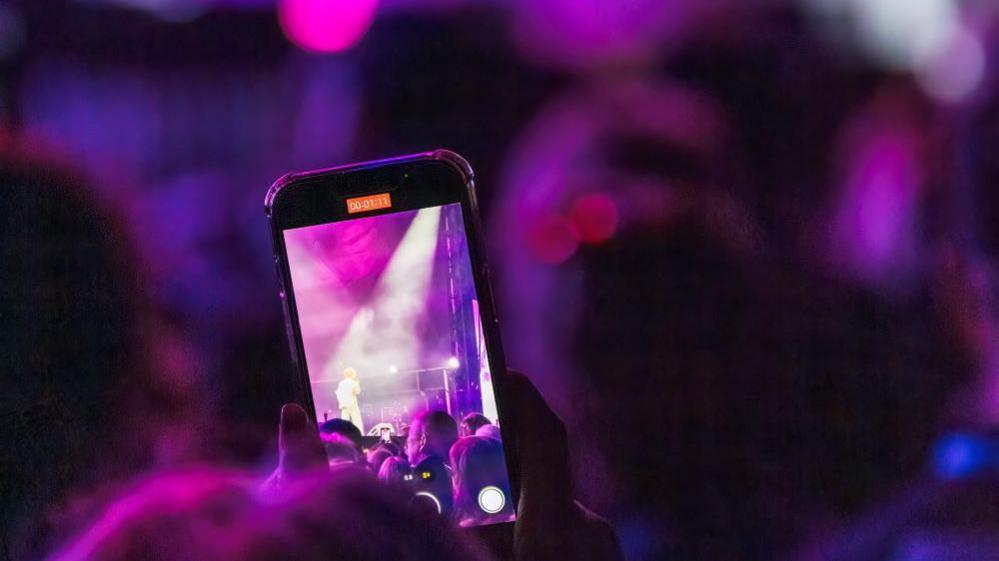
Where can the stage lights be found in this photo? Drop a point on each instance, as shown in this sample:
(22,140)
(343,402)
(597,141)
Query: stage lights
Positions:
(957,69)
(396,304)
(592,219)
(326,26)
(929,38)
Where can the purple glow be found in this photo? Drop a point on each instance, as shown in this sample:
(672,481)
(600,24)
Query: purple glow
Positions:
(337,270)
(586,32)
(875,221)
(160,495)
(398,335)
(326,26)
(393,298)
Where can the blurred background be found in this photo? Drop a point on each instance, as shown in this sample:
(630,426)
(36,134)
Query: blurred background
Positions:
(746,248)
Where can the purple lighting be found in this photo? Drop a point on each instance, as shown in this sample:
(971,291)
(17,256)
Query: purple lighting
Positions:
(403,322)
(326,26)
(876,218)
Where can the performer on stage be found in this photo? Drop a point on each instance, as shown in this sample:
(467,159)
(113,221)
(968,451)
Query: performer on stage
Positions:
(346,394)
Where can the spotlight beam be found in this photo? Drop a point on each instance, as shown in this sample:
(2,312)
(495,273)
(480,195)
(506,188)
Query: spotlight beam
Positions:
(383,332)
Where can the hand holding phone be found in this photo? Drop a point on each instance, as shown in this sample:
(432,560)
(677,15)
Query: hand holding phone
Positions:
(385,287)
(391,324)
(550,525)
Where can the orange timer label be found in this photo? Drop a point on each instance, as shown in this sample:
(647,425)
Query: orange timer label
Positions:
(369,203)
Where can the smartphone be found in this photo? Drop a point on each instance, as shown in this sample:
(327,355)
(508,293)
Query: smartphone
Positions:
(392,327)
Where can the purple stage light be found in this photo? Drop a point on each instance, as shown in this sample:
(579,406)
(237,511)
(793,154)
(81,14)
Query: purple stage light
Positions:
(875,222)
(591,33)
(406,322)
(326,26)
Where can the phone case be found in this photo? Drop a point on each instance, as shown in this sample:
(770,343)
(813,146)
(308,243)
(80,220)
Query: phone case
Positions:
(497,357)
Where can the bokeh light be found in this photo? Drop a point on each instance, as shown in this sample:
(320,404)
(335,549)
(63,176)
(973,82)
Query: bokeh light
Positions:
(932,39)
(898,34)
(326,26)
(956,72)
(552,238)
(594,217)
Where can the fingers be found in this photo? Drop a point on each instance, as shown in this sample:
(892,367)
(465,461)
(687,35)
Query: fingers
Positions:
(543,513)
(293,419)
(299,447)
(594,538)
(534,408)
(540,437)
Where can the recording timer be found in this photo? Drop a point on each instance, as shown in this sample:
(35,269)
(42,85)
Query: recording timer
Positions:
(369,203)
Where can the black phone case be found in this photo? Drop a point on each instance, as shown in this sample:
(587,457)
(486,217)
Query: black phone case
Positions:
(490,321)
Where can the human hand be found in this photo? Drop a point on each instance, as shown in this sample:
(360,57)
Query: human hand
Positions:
(300,450)
(550,524)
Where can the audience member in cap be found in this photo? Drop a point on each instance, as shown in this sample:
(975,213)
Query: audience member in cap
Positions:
(471,423)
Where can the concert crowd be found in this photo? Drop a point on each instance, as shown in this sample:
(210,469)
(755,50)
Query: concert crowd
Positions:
(745,253)
(445,471)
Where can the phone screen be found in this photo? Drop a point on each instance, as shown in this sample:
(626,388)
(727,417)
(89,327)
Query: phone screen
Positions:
(394,348)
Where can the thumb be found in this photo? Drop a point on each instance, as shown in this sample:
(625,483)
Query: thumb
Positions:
(541,442)
(299,447)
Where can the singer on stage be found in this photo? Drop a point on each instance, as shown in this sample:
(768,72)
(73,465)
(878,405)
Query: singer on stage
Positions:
(346,394)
